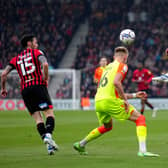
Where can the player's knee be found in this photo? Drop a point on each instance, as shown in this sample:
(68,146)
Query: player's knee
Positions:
(103,129)
(110,128)
(49,113)
(140,121)
(39,120)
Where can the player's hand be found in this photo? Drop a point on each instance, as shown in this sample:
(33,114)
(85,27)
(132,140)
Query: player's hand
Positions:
(4,93)
(126,104)
(141,94)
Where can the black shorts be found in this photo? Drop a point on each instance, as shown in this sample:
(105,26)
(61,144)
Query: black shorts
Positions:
(36,98)
(146,90)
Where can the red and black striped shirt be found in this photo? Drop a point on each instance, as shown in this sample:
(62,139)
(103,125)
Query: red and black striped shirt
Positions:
(28,67)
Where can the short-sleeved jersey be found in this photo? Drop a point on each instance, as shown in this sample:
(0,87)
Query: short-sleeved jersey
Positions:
(106,88)
(28,67)
(144,78)
(98,73)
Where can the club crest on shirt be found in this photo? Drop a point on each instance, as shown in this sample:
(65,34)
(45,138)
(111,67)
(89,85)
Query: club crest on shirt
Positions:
(125,68)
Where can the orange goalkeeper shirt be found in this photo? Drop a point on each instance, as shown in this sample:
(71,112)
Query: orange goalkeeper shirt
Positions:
(98,73)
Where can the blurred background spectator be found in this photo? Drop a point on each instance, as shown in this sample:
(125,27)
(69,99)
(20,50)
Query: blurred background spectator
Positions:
(148,19)
(55,22)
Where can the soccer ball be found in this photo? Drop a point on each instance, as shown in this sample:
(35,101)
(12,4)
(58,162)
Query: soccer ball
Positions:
(127,36)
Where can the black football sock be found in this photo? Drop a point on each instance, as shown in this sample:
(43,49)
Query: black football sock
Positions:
(50,124)
(41,129)
(149,105)
(142,111)
(142,107)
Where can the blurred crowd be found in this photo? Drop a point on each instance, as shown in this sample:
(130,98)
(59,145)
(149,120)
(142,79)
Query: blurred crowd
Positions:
(148,19)
(65,89)
(53,22)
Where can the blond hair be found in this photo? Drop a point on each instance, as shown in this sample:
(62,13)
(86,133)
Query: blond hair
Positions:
(121,49)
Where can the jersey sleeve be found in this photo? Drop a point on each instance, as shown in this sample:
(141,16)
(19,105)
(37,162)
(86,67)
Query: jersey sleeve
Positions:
(96,74)
(149,73)
(150,76)
(13,63)
(39,53)
(123,69)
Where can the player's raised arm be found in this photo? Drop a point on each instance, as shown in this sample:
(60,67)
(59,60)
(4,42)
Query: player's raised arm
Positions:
(4,75)
(44,63)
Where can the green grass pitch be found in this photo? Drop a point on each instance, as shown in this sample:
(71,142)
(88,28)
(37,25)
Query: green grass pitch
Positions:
(21,146)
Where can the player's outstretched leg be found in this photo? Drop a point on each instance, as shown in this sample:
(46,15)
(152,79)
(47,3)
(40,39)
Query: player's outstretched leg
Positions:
(43,132)
(149,105)
(50,143)
(141,134)
(162,78)
(46,138)
(50,125)
(41,129)
(142,106)
(154,112)
(50,149)
(153,108)
(79,148)
(95,133)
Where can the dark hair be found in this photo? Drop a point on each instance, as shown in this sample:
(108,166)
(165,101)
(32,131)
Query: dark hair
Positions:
(121,49)
(25,39)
